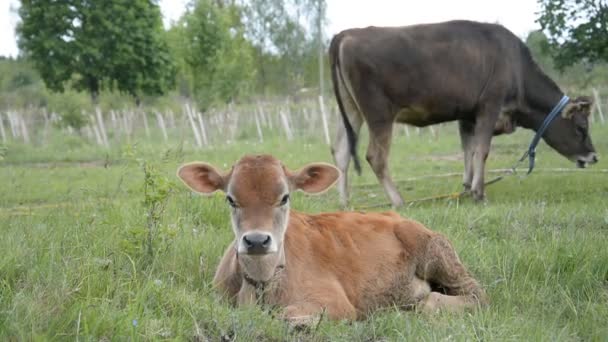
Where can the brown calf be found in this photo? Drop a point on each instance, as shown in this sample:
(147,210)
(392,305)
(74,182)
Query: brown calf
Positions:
(347,264)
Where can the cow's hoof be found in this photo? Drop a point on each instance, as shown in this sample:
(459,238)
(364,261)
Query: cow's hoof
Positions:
(479,196)
(396,206)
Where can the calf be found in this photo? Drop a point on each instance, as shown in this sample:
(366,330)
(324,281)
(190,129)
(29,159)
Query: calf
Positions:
(347,264)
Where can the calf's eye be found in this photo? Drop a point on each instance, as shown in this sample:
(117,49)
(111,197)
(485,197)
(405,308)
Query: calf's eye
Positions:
(284,200)
(231,201)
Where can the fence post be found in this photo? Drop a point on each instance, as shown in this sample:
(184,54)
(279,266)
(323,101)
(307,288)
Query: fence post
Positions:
(96,130)
(193,124)
(598,103)
(203,130)
(407,130)
(24,132)
(45,133)
(257,125)
(145,117)
(324,118)
(114,120)
(288,132)
(2,132)
(161,124)
(171,119)
(432,132)
(14,124)
(124,122)
(102,128)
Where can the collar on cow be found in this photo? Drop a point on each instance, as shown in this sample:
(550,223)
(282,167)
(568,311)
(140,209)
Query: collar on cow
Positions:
(260,286)
(531,152)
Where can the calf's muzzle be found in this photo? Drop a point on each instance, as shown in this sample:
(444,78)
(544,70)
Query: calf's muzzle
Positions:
(257,243)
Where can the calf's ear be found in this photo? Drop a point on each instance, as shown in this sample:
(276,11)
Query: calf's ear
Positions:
(201,177)
(314,178)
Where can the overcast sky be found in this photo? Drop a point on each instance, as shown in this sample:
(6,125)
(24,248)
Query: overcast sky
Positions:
(516,15)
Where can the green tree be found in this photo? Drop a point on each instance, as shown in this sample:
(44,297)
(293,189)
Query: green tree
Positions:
(577,30)
(214,58)
(70,105)
(97,44)
(285,35)
(20,85)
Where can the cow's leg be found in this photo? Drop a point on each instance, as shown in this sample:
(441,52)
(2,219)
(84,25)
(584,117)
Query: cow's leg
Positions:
(466,137)
(482,138)
(441,267)
(377,156)
(341,151)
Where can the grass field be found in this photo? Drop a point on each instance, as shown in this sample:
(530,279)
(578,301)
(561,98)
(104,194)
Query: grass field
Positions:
(109,245)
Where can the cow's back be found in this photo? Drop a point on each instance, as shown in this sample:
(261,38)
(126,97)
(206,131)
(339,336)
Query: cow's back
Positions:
(373,255)
(440,69)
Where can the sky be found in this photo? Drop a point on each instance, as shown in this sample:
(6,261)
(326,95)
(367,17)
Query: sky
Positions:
(517,15)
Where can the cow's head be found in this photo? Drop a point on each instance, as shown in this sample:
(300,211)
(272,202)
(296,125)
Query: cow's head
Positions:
(257,191)
(569,134)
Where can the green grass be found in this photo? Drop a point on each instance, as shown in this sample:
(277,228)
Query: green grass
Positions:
(74,263)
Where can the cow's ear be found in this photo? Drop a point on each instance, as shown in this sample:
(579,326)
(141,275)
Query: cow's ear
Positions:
(201,177)
(581,105)
(314,178)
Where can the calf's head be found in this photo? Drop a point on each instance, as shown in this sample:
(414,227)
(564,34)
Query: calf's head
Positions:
(569,135)
(257,191)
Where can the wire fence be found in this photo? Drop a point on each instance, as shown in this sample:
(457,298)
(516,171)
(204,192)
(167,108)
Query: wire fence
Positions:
(310,118)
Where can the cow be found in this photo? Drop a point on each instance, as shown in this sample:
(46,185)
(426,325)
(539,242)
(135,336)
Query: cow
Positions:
(478,74)
(342,264)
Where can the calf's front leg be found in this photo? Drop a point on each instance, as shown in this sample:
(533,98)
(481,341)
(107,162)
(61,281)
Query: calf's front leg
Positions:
(330,300)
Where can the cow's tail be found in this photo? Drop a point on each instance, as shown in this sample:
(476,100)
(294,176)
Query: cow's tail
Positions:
(336,76)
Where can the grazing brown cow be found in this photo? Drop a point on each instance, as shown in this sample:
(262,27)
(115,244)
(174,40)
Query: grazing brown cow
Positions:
(346,263)
(454,71)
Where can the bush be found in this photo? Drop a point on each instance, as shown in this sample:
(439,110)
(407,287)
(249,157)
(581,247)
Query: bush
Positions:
(72,108)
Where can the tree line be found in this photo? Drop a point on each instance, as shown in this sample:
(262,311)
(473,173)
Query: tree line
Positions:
(218,51)
(223,51)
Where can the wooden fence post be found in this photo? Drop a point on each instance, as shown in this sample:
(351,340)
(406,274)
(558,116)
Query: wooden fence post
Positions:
(202,126)
(286,127)
(161,124)
(45,133)
(598,104)
(2,132)
(145,117)
(197,137)
(102,127)
(324,118)
(98,137)
(24,131)
(257,125)
(14,124)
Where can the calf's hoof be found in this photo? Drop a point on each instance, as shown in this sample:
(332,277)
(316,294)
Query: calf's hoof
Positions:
(431,304)
(300,323)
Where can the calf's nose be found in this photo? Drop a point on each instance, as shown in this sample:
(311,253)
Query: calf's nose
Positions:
(594,159)
(257,243)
